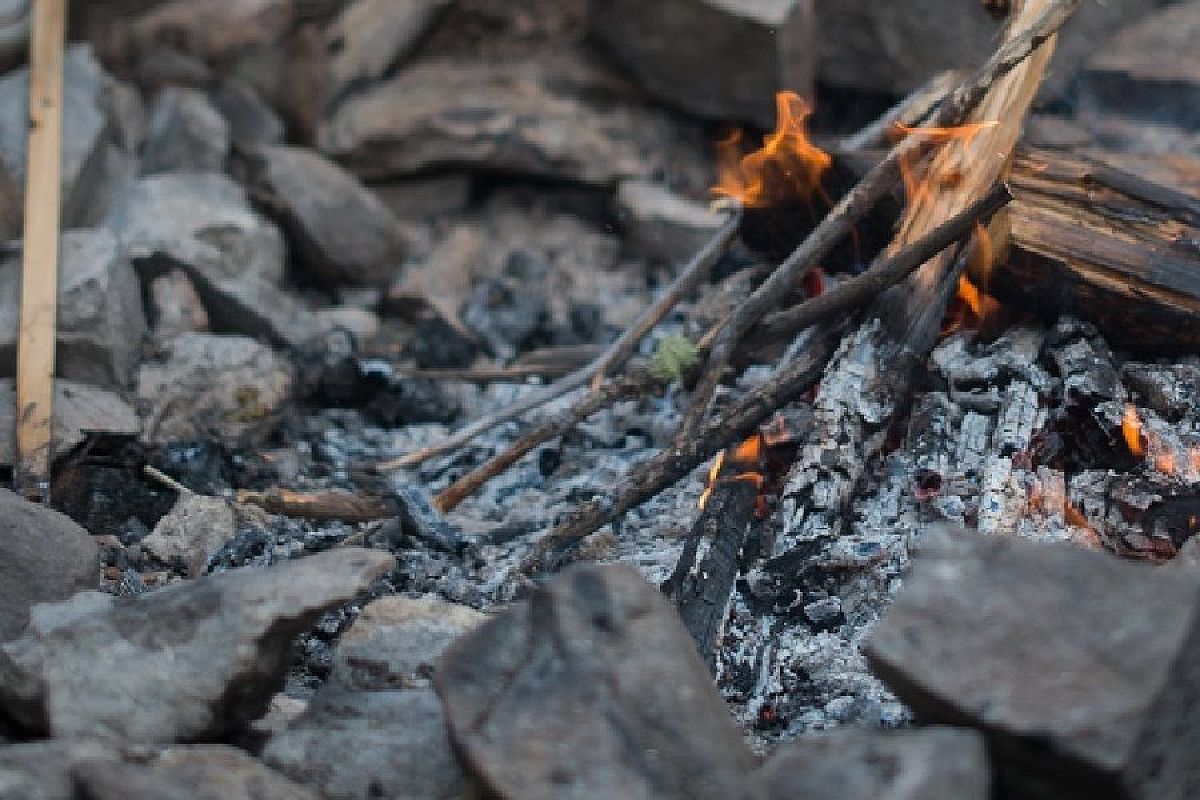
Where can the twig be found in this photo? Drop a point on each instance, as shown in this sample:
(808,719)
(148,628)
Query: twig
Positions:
(841,219)
(649,478)
(884,273)
(693,274)
(156,474)
(321,506)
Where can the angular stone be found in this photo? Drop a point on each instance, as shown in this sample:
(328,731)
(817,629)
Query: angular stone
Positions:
(47,558)
(252,122)
(191,532)
(856,764)
(723,59)
(1150,68)
(210,385)
(370,36)
(185,134)
(79,409)
(196,660)
(661,224)
(341,232)
(523,117)
(1077,665)
(100,317)
(196,772)
(592,687)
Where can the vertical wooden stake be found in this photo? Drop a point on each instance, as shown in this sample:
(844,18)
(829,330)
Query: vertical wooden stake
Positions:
(39,275)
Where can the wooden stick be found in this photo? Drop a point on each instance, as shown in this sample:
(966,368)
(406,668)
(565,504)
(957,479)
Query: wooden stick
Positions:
(39,275)
(695,273)
(321,506)
(841,219)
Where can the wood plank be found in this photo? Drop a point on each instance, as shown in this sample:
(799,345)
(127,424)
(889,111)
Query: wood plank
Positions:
(39,283)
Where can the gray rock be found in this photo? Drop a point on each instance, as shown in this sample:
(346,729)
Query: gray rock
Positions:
(175,306)
(100,318)
(425,197)
(43,770)
(211,385)
(661,224)
(1077,665)
(78,409)
(592,687)
(87,127)
(855,764)
(724,59)
(370,36)
(185,134)
(341,232)
(15,21)
(519,117)
(198,772)
(252,122)
(196,660)
(47,558)
(191,532)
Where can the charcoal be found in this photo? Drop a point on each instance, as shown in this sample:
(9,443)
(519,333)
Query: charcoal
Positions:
(436,344)
(855,764)
(47,558)
(1079,667)
(184,134)
(565,693)
(420,520)
(712,58)
(1171,390)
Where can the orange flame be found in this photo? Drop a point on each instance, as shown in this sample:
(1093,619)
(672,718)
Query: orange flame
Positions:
(787,153)
(1131,428)
(713,472)
(749,451)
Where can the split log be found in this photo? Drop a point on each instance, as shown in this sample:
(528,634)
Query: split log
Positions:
(1106,245)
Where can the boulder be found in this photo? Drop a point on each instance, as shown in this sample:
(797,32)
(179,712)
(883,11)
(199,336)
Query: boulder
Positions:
(196,660)
(212,385)
(1077,665)
(185,134)
(723,59)
(340,231)
(663,225)
(47,558)
(856,764)
(191,532)
(100,318)
(79,409)
(591,687)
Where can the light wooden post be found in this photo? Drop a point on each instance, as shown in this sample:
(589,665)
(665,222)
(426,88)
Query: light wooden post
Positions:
(39,275)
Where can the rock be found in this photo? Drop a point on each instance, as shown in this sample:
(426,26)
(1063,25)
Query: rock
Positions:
(855,764)
(1150,68)
(100,317)
(216,31)
(376,729)
(87,128)
(195,660)
(896,47)
(505,315)
(1072,662)
(252,122)
(175,306)
(661,224)
(44,770)
(359,322)
(591,687)
(716,58)
(14,32)
(518,117)
(370,36)
(186,134)
(79,409)
(192,532)
(210,385)
(341,232)
(423,198)
(47,558)
(196,772)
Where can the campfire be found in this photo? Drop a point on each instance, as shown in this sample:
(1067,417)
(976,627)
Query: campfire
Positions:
(597,398)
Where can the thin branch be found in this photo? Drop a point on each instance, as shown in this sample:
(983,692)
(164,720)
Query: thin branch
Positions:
(694,273)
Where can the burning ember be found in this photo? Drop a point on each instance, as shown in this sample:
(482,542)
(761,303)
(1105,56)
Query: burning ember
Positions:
(787,166)
(748,462)
(1131,429)
(1152,448)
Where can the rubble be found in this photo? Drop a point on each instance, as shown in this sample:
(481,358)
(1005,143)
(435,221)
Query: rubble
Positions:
(191,661)
(47,558)
(100,318)
(715,58)
(184,134)
(1074,704)
(191,533)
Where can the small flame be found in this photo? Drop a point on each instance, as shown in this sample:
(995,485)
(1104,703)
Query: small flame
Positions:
(1131,428)
(713,472)
(749,451)
(786,154)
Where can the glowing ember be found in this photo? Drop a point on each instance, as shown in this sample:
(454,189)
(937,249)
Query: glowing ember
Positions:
(748,452)
(787,165)
(776,432)
(713,472)
(1131,428)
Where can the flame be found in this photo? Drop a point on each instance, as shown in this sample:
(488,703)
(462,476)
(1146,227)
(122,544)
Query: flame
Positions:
(749,451)
(917,188)
(1131,428)
(713,472)
(786,153)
